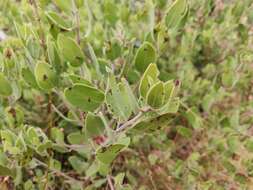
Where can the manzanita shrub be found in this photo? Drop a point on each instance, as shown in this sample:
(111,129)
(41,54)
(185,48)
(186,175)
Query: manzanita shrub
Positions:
(126,94)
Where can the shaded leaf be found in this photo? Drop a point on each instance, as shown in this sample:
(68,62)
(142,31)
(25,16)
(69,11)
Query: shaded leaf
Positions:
(94,125)
(70,50)
(5,86)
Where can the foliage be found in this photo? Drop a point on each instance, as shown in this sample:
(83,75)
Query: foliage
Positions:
(150,94)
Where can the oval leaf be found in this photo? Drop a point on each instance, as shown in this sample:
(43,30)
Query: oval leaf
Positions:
(29,77)
(107,154)
(94,125)
(5,86)
(58,20)
(86,98)
(70,50)
(45,76)
(155,95)
(145,55)
(149,78)
(176,13)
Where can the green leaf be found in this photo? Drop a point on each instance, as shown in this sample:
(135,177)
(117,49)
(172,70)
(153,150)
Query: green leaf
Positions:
(155,95)
(169,91)
(249,145)
(193,118)
(152,158)
(119,179)
(20,143)
(145,55)
(9,140)
(109,11)
(29,77)
(120,99)
(33,46)
(76,138)
(113,50)
(129,97)
(45,76)
(43,146)
(28,185)
(176,14)
(3,159)
(123,139)
(5,86)
(4,171)
(78,79)
(94,125)
(59,148)
(53,55)
(103,168)
(228,78)
(70,50)
(57,135)
(86,98)
(79,165)
(107,154)
(149,78)
(14,116)
(64,5)
(54,164)
(58,20)
(93,169)
(184,131)
(169,107)
(33,136)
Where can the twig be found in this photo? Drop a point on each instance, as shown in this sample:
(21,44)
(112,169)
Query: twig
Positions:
(110,182)
(57,171)
(36,11)
(129,123)
(61,114)
(60,94)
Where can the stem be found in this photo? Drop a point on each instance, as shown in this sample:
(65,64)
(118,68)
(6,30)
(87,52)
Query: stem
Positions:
(129,123)
(94,59)
(56,171)
(61,114)
(50,114)
(189,109)
(110,182)
(46,183)
(89,19)
(36,11)
(127,63)
(77,18)
(60,94)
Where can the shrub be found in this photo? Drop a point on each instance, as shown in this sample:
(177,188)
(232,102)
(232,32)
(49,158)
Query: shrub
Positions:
(126,94)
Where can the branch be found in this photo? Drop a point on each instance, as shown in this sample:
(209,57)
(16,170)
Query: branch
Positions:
(129,123)
(57,171)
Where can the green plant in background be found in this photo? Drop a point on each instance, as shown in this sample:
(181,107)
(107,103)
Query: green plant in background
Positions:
(122,95)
